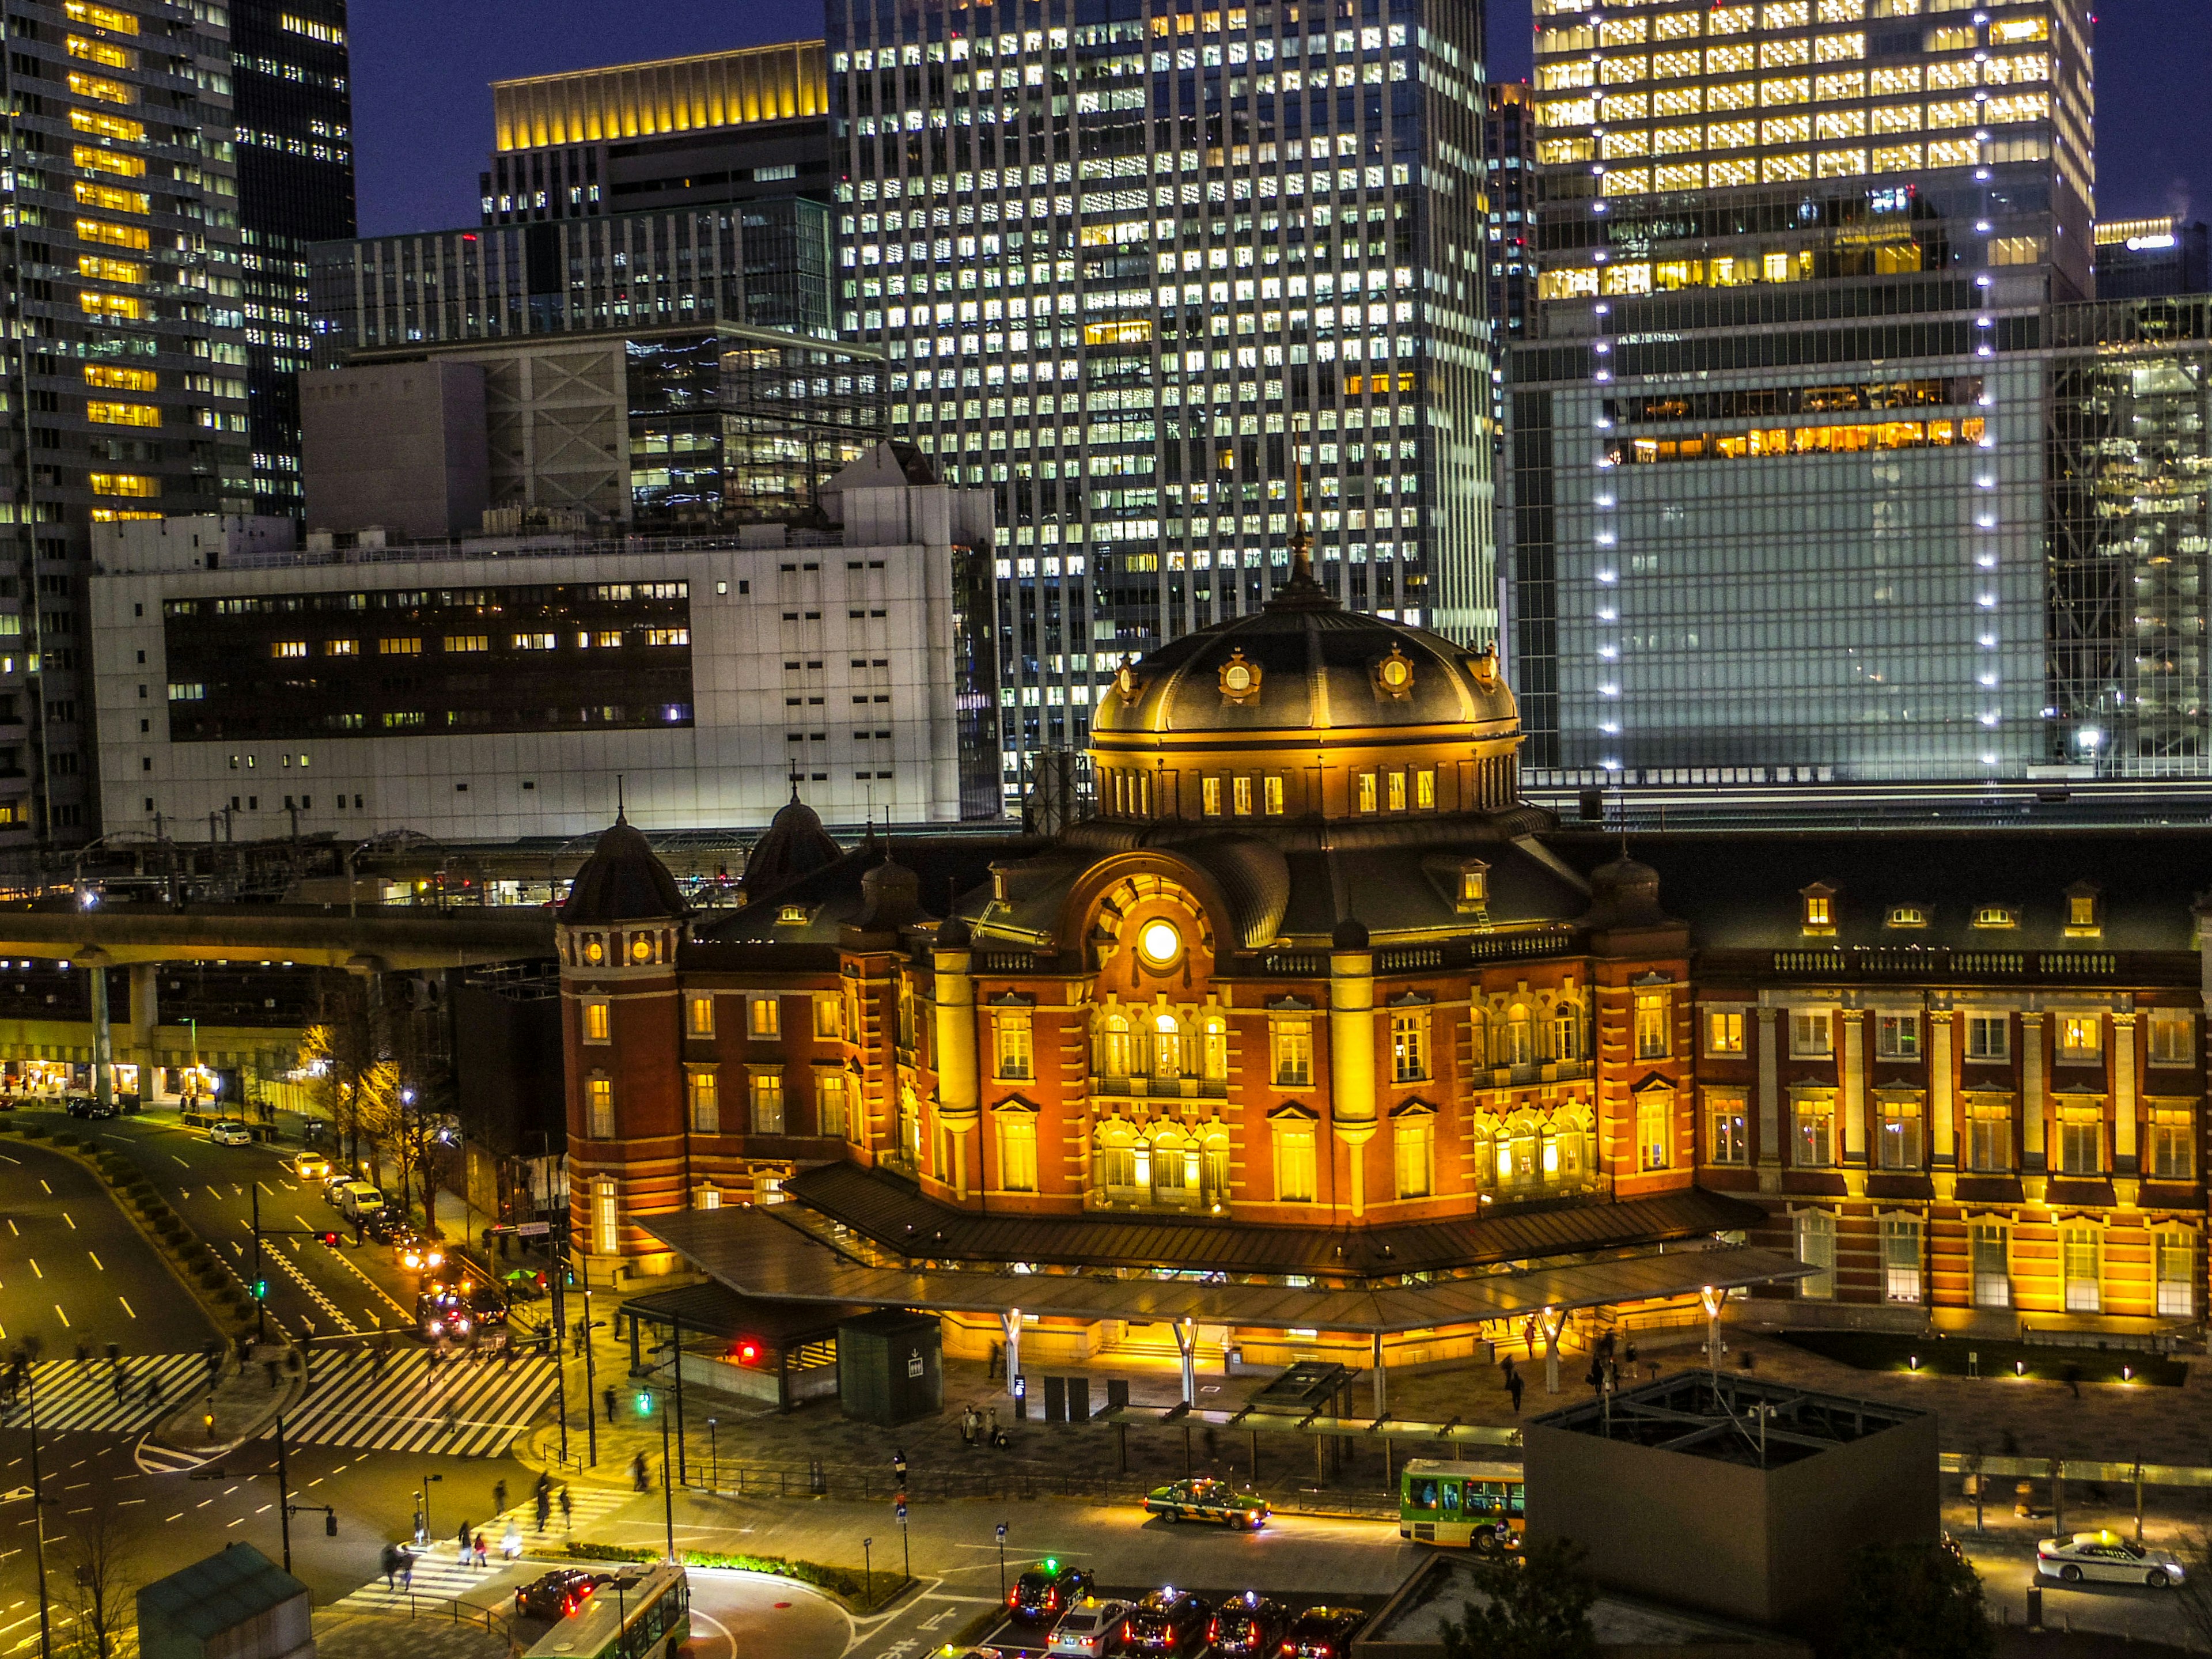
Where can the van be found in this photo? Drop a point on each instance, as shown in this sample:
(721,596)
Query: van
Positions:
(356,1201)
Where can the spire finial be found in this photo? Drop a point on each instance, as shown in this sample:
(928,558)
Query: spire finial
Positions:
(1301,541)
(621,815)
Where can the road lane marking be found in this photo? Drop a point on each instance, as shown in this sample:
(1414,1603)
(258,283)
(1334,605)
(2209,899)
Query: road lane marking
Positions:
(33,1260)
(179,1516)
(180,1160)
(127,1307)
(64,1317)
(266,1187)
(49,1191)
(67,1216)
(96,1261)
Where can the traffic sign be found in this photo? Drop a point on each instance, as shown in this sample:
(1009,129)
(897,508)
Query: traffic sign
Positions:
(901,1511)
(533,1229)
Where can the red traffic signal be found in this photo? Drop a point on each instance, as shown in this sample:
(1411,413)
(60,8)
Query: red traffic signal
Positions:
(328,1238)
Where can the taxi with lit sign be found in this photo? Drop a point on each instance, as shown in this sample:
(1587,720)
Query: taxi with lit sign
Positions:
(1204,1499)
(460,1307)
(1046,1590)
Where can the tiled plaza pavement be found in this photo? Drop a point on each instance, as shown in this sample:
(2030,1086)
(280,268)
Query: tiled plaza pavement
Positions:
(1995,1416)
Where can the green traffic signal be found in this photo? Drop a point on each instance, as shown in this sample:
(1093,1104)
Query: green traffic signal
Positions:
(260,1289)
(644,1403)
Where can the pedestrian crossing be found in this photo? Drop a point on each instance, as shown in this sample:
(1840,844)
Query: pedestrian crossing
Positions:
(467,1407)
(437,1573)
(87,1399)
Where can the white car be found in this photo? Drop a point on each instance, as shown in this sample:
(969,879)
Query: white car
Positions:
(2105,1558)
(229,1134)
(1090,1628)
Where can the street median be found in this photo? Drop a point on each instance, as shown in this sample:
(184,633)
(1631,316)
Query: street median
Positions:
(861,1593)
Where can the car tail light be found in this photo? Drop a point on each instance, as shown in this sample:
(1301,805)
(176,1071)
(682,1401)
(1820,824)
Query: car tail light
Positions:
(1214,1630)
(1013,1598)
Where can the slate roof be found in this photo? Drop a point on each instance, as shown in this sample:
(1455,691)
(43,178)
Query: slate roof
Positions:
(623,880)
(882,1207)
(236,1584)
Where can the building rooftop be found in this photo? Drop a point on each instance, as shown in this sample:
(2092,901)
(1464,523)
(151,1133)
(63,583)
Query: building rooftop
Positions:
(711,89)
(1729,1418)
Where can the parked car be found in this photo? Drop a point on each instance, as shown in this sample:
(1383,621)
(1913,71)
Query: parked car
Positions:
(1245,1626)
(1323,1633)
(86,1106)
(357,1201)
(2105,1558)
(1090,1629)
(1169,1620)
(385,1224)
(312,1166)
(1204,1499)
(1046,1590)
(229,1133)
(410,1249)
(557,1594)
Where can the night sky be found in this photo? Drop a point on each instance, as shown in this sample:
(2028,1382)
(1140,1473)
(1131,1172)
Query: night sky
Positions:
(422,114)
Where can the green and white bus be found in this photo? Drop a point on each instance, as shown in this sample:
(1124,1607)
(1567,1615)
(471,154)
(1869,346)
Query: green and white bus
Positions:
(642,1613)
(1473,1505)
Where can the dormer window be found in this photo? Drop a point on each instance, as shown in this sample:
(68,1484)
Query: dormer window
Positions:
(1819,908)
(1473,885)
(2085,910)
(790,915)
(1908,915)
(1995,916)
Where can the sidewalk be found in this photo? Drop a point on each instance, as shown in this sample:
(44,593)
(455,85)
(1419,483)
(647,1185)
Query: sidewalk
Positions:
(211,1422)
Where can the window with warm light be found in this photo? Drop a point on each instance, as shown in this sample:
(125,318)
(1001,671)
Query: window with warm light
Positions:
(1017,1151)
(1819,911)
(1815,1138)
(1728,1138)
(1209,795)
(1414,1138)
(1655,1021)
(1816,1248)
(829,1018)
(1367,792)
(123,22)
(1213,1040)
(111,199)
(2081,1140)
(2170,1037)
(1016,1056)
(1396,793)
(699,1014)
(2081,1259)
(109,378)
(1159,943)
(2175,1263)
(705,1101)
(101,269)
(1271,796)
(1989,1136)
(764,1017)
(1724,1031)
(100,88)
(127,306)
(767,1102)
(1898,1134)
(130,236)
(829,1098)
(93,158)
(2081,1037)
(600,1104)
(1294,1162)
(1409,1046)
(606,1233)
(1654,1128)
(1240,797)
(1424,790)
(2172,1148)
(598,1018)
(1167,1049)
(1292,1043)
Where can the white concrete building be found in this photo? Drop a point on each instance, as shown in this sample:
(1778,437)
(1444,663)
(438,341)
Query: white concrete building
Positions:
(494,688)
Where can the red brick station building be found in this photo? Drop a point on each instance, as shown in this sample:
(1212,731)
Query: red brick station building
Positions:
(1315,1041)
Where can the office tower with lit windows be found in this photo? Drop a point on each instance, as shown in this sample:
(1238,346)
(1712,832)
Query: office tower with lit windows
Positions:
(1778,443)
(746,125)
(1508,166)
(2153,259)
(1141,266)
(291,86)
(127,361)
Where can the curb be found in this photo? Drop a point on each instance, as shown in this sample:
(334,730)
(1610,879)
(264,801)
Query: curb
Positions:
(161,1436)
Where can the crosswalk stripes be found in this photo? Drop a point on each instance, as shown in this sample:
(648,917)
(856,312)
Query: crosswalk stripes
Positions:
(74,1398)
(468,1409)
(438,1571)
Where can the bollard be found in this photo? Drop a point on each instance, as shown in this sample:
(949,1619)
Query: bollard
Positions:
(2034,1606)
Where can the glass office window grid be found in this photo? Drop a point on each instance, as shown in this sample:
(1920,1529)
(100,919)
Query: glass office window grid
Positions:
(1136,274)
(129,342)
(2131,527)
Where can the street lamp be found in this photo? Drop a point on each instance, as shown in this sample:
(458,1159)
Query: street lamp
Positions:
(422,1509)
(713,1460)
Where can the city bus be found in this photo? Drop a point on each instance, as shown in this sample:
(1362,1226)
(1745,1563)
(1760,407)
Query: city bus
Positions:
(1473,1505)
(642,1613)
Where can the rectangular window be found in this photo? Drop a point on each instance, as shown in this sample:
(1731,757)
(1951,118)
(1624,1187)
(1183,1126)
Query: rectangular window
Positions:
(1294,1162)
(459,643)
(1015,1055)
(1901,1133)
(1017,1151)
(2081,1037)
(767,1102)
(1989,1246)
(1367,795)
(764,1017)
(599,1098)
(2172,1036)
(2081,1140)
(1989,1136)
(2172,1144)
(399,647)
(2078,1253)
(1415,1134)
(1409,1046)
(1271,796)
(1396,793)
(1812,1034)
(1292,1041)
(2177,1273)
(705,1102)
(1989,1036)
(1655,1018)
(829,1018)
(830,1105)
(1424,789)
(1727,1140)
(699,1014)
(1900,1258)
(1209,794)
(598,1016)
(606,1237)
(1724,1031)
(1897,1037)
(1816,1132)
(1816,1248)
(107,414)
(1240,797)
(1654,1128)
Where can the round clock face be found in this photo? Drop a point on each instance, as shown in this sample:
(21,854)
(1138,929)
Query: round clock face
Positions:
(594,951)
(1396,674)
(1159,943)
(641,949)
(1236,677)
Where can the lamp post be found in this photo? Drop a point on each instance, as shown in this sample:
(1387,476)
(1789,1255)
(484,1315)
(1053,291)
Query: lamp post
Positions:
(713,1459)
(591,1421)
(1002,1560)
(422,1508)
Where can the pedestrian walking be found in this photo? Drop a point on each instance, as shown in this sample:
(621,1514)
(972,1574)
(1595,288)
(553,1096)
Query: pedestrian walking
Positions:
(898,1463)
(1513,1386)
(121,1386)
(582,1333)
(967,1425)
(406,1568)
(483,1557)
(270,1366)
(608,1397)
(83,1358)
(637,1474)
(567,1510)
(452,1424)
(153,1391)
(1528,1334)
(510,1543)
(115,1354)
(544,1506)
(463,1540)
(499,1497)
(389,1560)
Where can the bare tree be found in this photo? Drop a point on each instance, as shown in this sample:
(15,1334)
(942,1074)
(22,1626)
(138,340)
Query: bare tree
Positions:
(2192,1596)
(101,1591)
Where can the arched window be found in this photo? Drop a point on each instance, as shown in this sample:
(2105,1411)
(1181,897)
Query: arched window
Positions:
(1113,1157)
(1174,1168)
(1167,1048)
(1566,1033)
(1213,1166)
(1114,1047)
(1477,1039)
(1215,1032)
(1502,1156)
(1520,1038)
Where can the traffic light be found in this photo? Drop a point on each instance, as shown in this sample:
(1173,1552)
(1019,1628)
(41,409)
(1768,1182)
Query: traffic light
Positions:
(330,1524)
(260,1289)
(645,1402)
(328,1238)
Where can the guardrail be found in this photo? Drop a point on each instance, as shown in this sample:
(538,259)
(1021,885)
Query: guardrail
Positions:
(492,1623)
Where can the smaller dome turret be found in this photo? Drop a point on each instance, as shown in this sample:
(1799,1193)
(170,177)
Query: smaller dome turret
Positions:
(1351,934)
(623,880)
(795,845)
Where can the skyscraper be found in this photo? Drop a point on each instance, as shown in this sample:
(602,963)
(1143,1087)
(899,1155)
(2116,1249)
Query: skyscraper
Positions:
(1137,263)
(1778,445)
(127,363)
(291,81)
(2153,259)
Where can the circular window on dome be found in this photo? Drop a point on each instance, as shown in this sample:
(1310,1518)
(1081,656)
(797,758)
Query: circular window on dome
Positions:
(1394,675)
(1159,943)
(1240,680)
(594,952)
(641,948)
